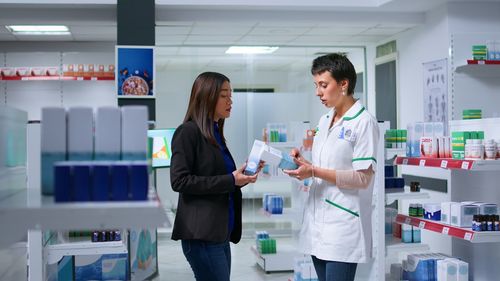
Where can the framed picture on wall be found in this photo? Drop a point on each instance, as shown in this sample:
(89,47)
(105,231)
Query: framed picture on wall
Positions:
(135,71)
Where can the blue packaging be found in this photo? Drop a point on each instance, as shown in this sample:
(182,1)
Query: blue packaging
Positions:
(81,182)
(95,236)
(63,187)
(101,181)
(389,171)
(47,170)
(394,182)
(139,180)
(119,181)
(118,235)
(287,162)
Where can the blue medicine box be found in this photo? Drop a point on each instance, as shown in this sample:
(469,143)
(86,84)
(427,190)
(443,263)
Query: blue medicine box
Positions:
(120,181)
(101,181)
(62,182)
(139,180)
(81,182)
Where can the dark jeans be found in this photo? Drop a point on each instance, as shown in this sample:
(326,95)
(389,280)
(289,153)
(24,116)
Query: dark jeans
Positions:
(210,261)
(334,270)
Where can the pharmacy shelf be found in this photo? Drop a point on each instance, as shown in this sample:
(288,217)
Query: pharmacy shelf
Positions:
(289,144)
(390,153)
(25,209)
(455,164)
(391,197)
(482,68)
(453,231)
(75,246)
(394,244)
(55,78)
(282,260)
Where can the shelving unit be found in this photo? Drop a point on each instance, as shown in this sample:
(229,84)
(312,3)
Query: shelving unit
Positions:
(27,210)
(390,153)
(394,244)
(450,230)
(281,261)
(83,246)
(391,197)
(473,165)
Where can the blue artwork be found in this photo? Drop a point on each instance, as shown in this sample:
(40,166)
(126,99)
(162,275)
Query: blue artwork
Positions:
(135,71)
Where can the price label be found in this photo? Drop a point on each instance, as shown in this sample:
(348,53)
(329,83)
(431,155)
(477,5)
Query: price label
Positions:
(465,165)
(422,162)
(408,221)
(481,62)
(79,78)
(93,78)
(405,161)
(445,230)
(468,236)
(444,164)
(421,224)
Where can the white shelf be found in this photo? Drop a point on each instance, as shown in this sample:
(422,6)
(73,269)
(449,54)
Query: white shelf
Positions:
(482,70)
(83,246)
(394,244)
(281,261)
(391,197)
(390,153)
(289,144)
(23,209)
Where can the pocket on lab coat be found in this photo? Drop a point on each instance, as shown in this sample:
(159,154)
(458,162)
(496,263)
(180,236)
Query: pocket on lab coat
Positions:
(341,223)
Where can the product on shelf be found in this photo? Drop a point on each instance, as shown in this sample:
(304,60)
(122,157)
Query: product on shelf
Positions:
(452,269)
(410,234)
(107,133)
(420,267)
(8,71)
(303,269)
(276,132)
(394,184)
(479,52)
(106,235)
(424,138)
(272,203)
(80,181)
(446,212)
(432,211)
(462,213)
(414,186)
(264,243)
(467,143)
(80,133)
(395,139)
(471,114)
(53,144)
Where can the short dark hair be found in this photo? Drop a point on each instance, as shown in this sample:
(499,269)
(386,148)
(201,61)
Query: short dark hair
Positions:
(339,66)
(201,109)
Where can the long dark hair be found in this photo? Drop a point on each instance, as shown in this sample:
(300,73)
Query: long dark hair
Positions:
(201,109)
(339,66)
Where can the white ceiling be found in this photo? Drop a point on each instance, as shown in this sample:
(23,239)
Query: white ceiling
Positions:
(184,26)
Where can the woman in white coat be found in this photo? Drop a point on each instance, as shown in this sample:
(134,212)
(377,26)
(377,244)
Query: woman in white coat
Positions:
(336,228)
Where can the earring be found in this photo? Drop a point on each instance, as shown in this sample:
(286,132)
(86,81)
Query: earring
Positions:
(344,93)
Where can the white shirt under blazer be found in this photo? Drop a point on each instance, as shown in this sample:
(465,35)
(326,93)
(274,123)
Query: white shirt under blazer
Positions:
(337,222)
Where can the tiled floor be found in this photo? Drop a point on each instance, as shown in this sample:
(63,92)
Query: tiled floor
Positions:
(173,265)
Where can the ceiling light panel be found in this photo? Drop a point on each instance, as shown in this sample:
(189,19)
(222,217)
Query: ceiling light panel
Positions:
(38,29)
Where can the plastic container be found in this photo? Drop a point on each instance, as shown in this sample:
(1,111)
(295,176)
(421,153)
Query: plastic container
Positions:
(432,211)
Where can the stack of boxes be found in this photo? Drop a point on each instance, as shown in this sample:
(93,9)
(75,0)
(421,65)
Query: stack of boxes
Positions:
(468,114)
(107,161)
(427,139)
(272,156)
(395,139)
(264,243)
(273,203)
(459,139)
(479,52)
(430,267)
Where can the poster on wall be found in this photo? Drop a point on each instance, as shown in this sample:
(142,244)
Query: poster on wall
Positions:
(143,253)
(135,71)
(436,91)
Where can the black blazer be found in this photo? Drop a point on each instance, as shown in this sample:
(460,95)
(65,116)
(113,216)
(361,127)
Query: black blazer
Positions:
(198,172)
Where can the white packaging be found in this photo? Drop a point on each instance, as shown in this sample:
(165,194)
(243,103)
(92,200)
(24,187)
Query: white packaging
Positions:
(254,157)
(446,212)
(8,71)
(52,71)
(441,149)
(53,130)
(446,270)
(428,147)
(431,210)
(462,213)
(486,208)
(107,131)
(438,129)
(418,132)
(23,71)
(38,71)
(428,129)
(462,270)
(447,146)
(134,131)
(80,133)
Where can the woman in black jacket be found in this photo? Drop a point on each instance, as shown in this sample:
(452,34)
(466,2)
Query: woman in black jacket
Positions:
(203,172)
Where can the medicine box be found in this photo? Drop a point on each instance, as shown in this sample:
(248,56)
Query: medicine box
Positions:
(446,270)
(462,213)
(254,157)
(107,133)
(432,211)
(134,128)
(486,208)
(446,212)
(80,133)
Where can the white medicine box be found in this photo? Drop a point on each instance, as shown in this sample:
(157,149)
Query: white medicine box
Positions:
(462,214)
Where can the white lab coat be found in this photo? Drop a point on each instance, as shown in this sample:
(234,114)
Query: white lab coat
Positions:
(337,222)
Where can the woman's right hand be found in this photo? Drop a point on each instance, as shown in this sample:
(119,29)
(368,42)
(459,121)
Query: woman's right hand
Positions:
(295,154)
